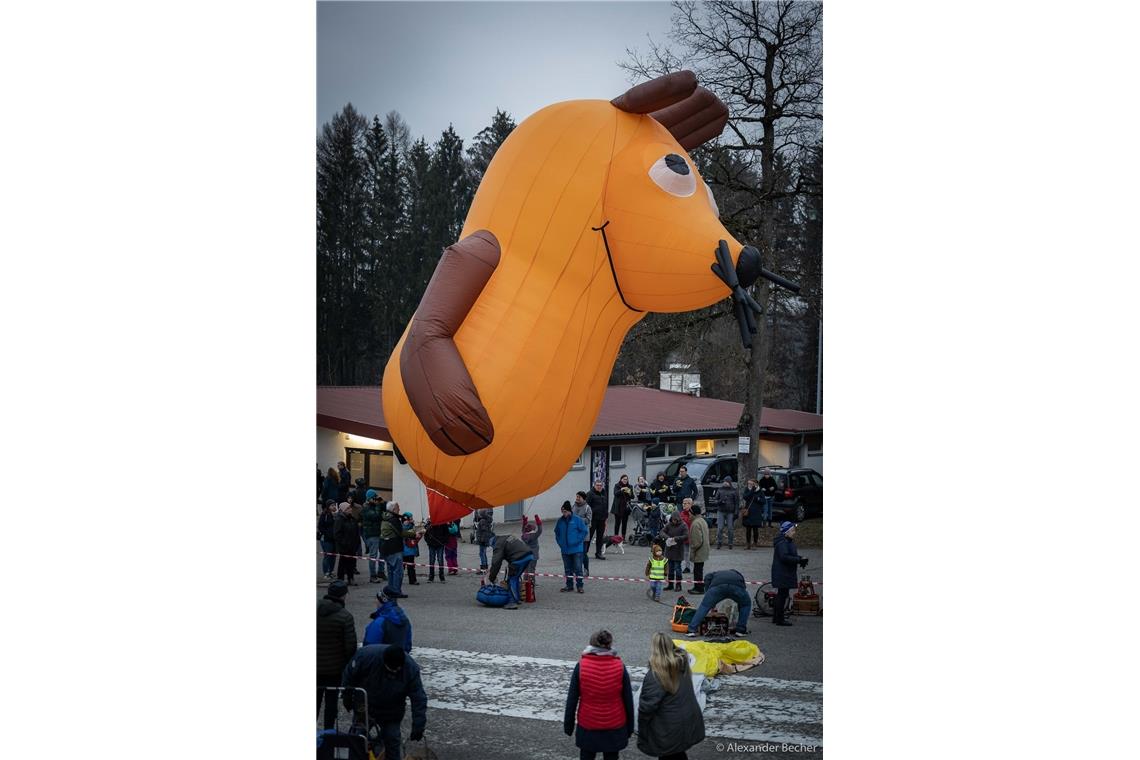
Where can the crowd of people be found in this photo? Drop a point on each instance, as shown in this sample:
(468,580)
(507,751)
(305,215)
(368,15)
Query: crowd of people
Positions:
(599,705)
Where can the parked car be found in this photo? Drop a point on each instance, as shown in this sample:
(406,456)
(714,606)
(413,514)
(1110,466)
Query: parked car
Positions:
(800,493)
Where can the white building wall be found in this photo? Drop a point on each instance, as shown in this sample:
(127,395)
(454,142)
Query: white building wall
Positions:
(814,461)
(774,453)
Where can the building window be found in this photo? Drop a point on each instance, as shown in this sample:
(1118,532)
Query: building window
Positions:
(581,463)
(668,450)
(705,446)
(374,465)
(615,455)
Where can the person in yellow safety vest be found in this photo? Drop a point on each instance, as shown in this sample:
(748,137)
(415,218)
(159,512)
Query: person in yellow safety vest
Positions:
(655,571)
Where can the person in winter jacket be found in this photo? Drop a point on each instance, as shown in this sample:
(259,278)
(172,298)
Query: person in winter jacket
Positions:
(484,533)
(583,510)
(687,518)
(669,719)
(336,639)
(517,555)
(785,557)
(684,487)
(411,547)
(752,513)
(331,486)
(655,571)
(436,538)
(346,533)
(569,533)
(530,534)
(371,520)
(390,624)
(451,548)
(698,549)
(653,520)
(676,534)
(600,700)
(767,485)
(721,585)
(360,491)
(390,678)
(641,490)
(344,481)
(392,535)
(659,490)
(623,495)
(727,503)
(600,511)
(327,538)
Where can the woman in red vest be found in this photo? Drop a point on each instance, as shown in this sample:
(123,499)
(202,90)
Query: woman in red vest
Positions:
(602,699)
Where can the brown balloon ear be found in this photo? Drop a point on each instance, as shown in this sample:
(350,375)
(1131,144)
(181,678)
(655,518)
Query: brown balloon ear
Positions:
(695,120)
(658,93)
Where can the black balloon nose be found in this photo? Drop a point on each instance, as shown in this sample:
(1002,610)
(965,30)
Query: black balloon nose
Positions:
(748,266)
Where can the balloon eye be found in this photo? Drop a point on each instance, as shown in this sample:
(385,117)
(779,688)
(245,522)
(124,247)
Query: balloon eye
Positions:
(712,200)
(672,174)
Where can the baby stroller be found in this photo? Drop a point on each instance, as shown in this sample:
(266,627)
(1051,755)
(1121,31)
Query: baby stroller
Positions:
(641,534)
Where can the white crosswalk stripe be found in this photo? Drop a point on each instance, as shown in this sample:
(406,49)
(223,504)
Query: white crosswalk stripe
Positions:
(744,708)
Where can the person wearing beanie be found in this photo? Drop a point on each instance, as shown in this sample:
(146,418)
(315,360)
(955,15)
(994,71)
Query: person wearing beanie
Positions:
(390,624)
(530,534)
(655,571)
(371,522)
(336,640)
(785,558)
(698,548)
(436,536)
(451,548)
(392,535)
(390,678)
(600,701)
(676,534)
(484,533)
(721,585)
(411,548)
(569,533)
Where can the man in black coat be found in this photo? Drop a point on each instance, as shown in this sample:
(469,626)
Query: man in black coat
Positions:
(390,677)
(684,487)
(600,508)
(784,561)
(336,640)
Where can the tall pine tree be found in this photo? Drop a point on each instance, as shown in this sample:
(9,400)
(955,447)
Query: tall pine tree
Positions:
(485,144)
(341,241)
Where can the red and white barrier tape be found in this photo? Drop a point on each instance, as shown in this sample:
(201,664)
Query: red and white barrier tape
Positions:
(538,575)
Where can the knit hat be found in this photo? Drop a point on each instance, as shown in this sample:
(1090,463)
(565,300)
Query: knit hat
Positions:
(695,509)
(408,515)
(786,526)
(566,507)
(382,596)
(337,590)
(370,494)
(344,506)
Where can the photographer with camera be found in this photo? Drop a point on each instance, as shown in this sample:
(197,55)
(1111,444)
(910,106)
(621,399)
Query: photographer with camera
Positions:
(784,561)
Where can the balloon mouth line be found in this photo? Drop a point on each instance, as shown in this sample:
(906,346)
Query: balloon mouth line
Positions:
(613,270)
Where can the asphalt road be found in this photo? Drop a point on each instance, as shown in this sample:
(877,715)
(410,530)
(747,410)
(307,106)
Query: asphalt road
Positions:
(447,620)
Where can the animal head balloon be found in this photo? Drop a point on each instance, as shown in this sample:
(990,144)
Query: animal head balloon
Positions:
(591,214)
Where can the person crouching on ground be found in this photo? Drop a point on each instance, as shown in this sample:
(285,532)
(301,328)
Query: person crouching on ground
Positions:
(390,624)
(530,533)
(569,533)
(721,585)
(518,556)
(669,719)
(785,557)
(676,534)
(655,571)
(390,678)
(601,698)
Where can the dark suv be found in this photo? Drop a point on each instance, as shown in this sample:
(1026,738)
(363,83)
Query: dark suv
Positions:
(799,494)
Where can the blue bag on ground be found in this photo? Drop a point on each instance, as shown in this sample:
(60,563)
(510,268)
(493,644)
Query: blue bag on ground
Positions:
(492,595)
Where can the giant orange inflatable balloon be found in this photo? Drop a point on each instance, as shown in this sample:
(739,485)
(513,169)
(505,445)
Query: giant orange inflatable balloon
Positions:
(590,214)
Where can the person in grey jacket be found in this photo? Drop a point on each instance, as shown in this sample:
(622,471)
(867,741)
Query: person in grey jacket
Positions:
(582,508)
(530,534)
(727,504)
(669,719)
(484,533)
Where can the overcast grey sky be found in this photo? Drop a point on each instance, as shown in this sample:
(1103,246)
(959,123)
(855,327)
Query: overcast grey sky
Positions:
(448,62)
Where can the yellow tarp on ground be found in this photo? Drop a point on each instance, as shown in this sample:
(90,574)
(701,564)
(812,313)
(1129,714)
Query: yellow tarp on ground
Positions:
(730,657)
